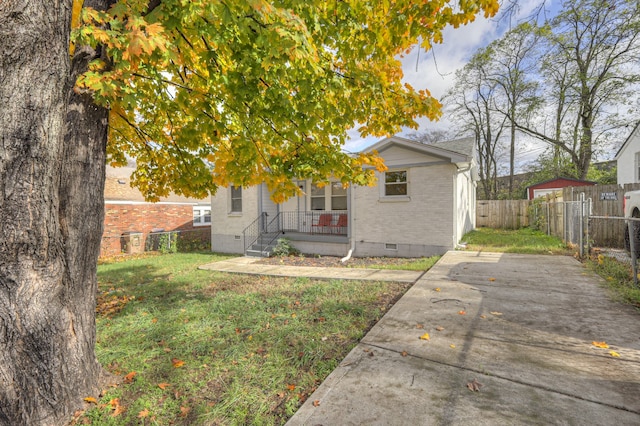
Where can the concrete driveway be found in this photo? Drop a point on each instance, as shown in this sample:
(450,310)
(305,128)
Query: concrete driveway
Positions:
(519,329)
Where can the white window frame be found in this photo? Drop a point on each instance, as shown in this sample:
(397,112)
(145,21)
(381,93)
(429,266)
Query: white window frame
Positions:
(200,215)
(329,199)
(394,197)
(234,209)
(318,193)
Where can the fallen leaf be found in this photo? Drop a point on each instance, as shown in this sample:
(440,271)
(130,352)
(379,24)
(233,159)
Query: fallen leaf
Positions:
(439,328)
(316,403)
(614,354)
(117,408)
(483,316)
(474,385)
(91,400)
(602,345)
(129,377)
(419,326)
(177,363)
(404,353)
(154,320)
(436,289)
(492,279)
(452,346)
(462,313)
(184,411)
(291,387)
(425,336)
(293,315)
(163,386)
(142,414)
(496,313)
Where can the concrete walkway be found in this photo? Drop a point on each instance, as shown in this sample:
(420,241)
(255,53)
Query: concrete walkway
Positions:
(248,265)
(517,328)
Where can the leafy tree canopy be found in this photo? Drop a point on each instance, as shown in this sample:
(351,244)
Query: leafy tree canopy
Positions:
(206,93)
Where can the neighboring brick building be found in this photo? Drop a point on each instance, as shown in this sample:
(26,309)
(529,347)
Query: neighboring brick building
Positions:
(133,225)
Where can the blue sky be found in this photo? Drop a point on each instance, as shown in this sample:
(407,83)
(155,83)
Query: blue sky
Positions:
(459,45)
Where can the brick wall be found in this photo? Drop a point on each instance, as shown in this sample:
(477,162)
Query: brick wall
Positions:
(146,218)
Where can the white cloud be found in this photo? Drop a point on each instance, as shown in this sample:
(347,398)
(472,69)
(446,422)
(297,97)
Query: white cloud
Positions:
(435,70)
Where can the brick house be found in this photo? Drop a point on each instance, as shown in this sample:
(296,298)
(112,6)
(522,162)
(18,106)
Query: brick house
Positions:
(421,206)
(132,224)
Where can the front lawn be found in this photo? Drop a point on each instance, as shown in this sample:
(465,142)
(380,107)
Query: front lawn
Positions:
(202,347)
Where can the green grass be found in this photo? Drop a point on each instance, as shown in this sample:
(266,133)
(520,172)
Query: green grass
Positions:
(417,264)
(526,241)
(253,348)
(618,277)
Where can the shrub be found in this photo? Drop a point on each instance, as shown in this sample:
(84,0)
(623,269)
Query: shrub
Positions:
(285,248)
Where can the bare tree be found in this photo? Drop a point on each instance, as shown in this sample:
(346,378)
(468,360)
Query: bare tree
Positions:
(511,66)
(430,136)
(472,102)
(591,46)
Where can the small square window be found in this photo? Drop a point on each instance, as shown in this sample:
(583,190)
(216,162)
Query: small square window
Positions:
(395,183)
(201,215)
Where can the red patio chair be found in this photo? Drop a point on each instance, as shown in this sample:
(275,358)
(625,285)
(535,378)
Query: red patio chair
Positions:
(342,223)
(324,222)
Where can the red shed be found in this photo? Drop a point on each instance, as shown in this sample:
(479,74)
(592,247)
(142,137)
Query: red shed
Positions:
(547,187)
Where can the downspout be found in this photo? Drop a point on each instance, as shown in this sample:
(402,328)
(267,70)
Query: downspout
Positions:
(352,240)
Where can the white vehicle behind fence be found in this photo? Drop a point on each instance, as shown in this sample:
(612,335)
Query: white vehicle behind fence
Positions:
(631,205)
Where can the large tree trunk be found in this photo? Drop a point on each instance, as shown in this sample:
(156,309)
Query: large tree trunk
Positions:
(52,154)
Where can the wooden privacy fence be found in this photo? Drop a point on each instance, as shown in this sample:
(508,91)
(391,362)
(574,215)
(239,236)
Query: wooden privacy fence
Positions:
(502,214)
(550,214)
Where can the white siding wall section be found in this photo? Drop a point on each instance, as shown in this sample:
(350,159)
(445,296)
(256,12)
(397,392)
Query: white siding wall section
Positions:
(464,210)
(226,227)
(627,163)
(417,225)
(268,206)
(396,155)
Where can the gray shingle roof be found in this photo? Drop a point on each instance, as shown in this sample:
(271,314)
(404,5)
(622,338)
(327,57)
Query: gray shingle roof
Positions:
(462,146)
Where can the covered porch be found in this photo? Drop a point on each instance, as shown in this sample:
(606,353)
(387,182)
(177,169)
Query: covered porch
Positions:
(316,227)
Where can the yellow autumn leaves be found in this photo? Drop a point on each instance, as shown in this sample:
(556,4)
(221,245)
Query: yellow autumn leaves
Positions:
(216,93)
(604,345)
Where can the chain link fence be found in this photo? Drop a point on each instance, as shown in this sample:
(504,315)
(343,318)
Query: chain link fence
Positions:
(575,223)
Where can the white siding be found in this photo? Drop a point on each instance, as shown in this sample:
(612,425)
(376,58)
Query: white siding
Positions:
(226,227)
(398,156)
(421,222)
(627,165)
(465,205)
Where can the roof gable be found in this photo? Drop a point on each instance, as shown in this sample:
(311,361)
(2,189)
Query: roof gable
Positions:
(561,181)
(458,151)
(634,132)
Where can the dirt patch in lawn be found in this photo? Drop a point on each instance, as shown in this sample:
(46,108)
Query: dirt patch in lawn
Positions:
(333,261)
